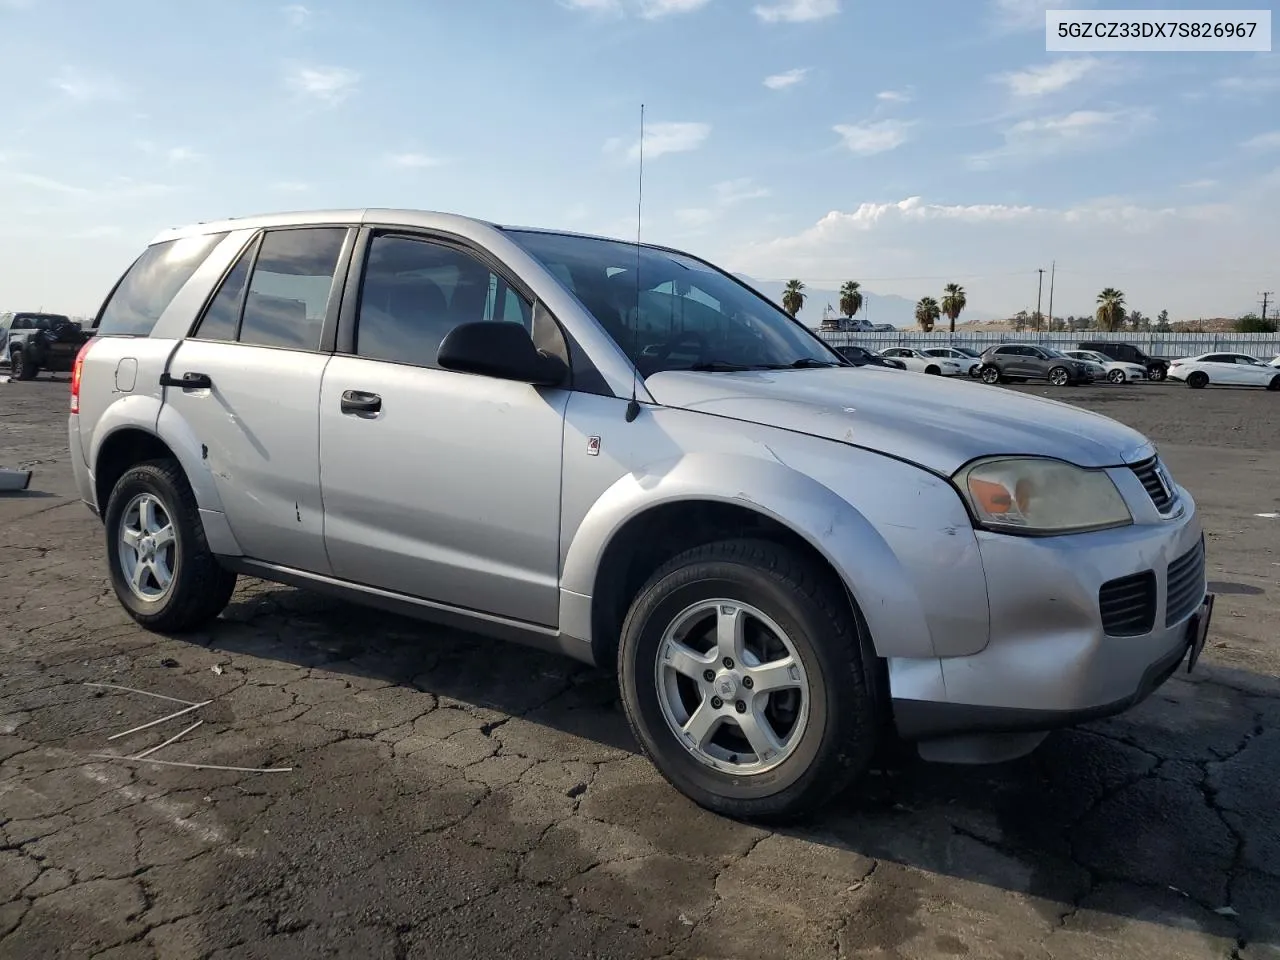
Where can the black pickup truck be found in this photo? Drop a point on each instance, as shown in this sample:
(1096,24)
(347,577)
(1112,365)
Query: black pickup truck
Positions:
(43,341)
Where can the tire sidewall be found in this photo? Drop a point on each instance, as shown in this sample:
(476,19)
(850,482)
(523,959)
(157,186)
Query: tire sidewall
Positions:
(1197,380)
(641,640)
(990,376)
(1066,379)
(143,479)
(1117,376)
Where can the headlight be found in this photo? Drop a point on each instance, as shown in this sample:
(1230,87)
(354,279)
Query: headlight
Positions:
(1036,495)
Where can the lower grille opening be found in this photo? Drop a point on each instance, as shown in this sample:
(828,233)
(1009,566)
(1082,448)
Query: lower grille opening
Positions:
(1128,605)
(1185,585)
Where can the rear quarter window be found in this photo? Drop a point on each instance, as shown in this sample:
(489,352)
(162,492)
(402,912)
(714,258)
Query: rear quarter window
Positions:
(150,285)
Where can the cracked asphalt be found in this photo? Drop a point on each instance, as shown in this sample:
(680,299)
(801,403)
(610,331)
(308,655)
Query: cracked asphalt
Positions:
(450,796)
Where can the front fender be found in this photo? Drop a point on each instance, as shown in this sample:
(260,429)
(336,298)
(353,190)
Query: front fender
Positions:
(831,524)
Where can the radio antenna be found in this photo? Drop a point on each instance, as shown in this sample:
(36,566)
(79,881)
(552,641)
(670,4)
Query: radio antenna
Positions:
(633,405)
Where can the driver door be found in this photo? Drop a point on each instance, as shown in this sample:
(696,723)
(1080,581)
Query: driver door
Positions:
(439,485)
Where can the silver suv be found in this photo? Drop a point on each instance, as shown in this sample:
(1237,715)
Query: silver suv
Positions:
(624,454)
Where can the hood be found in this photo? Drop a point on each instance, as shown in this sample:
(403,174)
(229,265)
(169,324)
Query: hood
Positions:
(937,423)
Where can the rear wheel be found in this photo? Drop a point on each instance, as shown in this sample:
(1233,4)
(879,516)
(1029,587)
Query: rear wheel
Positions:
(1197,380)
(1116,376)
(744,681)
(1275,383)
(991,375)
(1156,373)
(21,367)
(1059,376)
(161,567)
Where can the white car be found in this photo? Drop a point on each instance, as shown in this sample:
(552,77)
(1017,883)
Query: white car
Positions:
(1116,371)
(1275,362)
(970,362)
(920,362)
(1227,369)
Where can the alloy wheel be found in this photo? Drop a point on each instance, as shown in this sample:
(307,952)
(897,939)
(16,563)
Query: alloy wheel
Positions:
(147,545)
(731,687)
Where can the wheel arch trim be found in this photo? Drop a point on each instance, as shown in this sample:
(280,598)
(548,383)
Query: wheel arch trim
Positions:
(834,528)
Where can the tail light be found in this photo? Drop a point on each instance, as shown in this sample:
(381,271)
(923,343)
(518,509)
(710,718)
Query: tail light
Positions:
(75,375)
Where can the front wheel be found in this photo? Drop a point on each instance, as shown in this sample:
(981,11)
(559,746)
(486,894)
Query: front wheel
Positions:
(1116,376)
(161,567)
(1198,380)
(744,681)
(1275,383)
(21,367)
(933,371)
(1059,376)
(991,375)
(1156,373)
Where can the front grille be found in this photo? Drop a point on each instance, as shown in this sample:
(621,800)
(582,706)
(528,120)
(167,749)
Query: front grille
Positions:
(1150,474)
(1128,605)
(1186,585)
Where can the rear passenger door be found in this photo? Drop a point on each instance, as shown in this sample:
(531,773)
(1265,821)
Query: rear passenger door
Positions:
(246,384)
(439,485)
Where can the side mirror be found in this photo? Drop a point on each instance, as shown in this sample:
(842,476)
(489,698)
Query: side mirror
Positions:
(499,348)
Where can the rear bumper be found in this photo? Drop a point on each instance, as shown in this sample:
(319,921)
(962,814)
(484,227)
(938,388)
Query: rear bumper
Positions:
(79,469)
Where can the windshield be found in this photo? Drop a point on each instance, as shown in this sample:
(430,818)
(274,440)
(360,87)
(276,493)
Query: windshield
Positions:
(1055,353)
(682,314)
(965,351)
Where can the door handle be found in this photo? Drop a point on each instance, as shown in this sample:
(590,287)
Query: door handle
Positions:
(360,403)
(188,381)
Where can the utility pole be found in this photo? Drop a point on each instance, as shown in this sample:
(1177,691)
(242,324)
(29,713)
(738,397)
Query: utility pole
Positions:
(1266,295)
(1053,269)
(1039,291)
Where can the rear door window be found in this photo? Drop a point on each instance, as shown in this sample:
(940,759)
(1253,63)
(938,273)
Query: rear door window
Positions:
(288,295)
(149,286)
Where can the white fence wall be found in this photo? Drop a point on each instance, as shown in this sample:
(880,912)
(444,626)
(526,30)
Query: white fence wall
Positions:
(1264,346)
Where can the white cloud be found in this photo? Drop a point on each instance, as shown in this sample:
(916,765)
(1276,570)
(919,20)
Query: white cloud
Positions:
(1051,78)
(1263,141)
(181,155)
(297,14)
(1028,14)
(696,216)
(648,9)
(865,139)
(662,138)
(40,182)
(327,84)
(894,96)
(729,192)
(1245,84)
(656,9)
(87,87)
(1188,258)
(1205,184)
(797,11)
(413,161)
(1049,136)
(789,78)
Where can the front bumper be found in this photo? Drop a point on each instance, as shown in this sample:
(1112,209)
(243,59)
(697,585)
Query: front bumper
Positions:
(1050,662)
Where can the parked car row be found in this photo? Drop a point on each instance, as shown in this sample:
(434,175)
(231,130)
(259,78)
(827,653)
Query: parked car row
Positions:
(1089,362)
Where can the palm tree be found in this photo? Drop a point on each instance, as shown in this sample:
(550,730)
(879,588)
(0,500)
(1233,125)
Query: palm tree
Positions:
(793,297)
(953,302)
(850,298)
(927,313)
(1110,311)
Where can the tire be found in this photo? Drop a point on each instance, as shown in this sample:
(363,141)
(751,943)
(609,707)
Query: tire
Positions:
(1156,374)
(991,375)
(1275,383)
(1116,376)
(1059,376)
(839,738)
(1197,380)
(933,371)
(21,367)
(198,588)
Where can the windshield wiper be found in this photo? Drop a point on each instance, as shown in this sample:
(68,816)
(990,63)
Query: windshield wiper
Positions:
(804,362)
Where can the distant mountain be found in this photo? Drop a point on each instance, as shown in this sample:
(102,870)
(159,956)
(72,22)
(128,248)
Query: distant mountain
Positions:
(876,308)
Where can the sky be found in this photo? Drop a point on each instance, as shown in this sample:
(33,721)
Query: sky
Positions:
(902,144)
